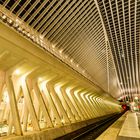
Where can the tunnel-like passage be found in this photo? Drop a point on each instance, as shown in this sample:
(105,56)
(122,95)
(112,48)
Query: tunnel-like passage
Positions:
(40,96)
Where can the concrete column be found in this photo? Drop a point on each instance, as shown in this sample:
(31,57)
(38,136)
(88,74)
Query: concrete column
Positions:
(66,104)
(87,104)
(101,101)
(60,108)
(98,112)
(72,107)
(54,114)
(81,101)
(76,103)
(99,106)
(80,104)
(13,105)
(2,82)
(91,104)
(29,102)
(105,106)
(42,105)
(25,118)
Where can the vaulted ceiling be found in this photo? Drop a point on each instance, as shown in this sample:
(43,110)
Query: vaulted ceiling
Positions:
(97,38)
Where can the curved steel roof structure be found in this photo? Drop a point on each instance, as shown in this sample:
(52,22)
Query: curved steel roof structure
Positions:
(97,38)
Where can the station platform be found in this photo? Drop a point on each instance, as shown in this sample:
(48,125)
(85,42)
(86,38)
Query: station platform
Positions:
(125,128)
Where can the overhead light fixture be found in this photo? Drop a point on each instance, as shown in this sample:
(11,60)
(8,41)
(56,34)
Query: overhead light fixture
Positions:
(10,21)
(40,79)
(71,60)
(136,98)
(28,34)
(60,51)
(4,16)
(53,46)
(17,72)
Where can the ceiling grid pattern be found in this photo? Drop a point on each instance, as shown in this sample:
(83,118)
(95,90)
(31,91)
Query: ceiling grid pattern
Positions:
(75,31)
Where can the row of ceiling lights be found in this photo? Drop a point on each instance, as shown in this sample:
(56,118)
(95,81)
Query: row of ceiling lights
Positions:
(39,40)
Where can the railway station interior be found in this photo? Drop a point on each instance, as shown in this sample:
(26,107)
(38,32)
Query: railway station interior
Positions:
(69,69)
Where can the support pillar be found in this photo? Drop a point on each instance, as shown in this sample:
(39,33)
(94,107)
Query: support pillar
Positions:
(60,108)
(66,104)
(30,106)
(43,106)
(13,105)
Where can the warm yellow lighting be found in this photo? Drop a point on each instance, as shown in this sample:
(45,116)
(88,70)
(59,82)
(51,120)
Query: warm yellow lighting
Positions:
(53,46)
(60,51)
(28,35)
(136,98)
(22,79)
(57,89)
(71,60)
(43,85)
(68,90)
(6,98)
(4,16)
(17,72)
(18,21)
(40,79)
(10,21)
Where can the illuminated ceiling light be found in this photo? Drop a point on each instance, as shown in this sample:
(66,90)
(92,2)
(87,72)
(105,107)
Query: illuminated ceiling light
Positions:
(53,46)
(4,16)
(23,31)
(17,72)
(16,24)
(77,65)
(83,71)
(136,98)
(18,21)
(28,34)
(40,79)
(60,51)
(41,37)
(10,21)
(20,29)
(71,60)
(32,37)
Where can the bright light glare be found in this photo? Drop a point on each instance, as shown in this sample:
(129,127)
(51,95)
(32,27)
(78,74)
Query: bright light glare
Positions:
(17,72)
(40,79)
(43,85)
(53,46)
(71,60)
(4,16)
